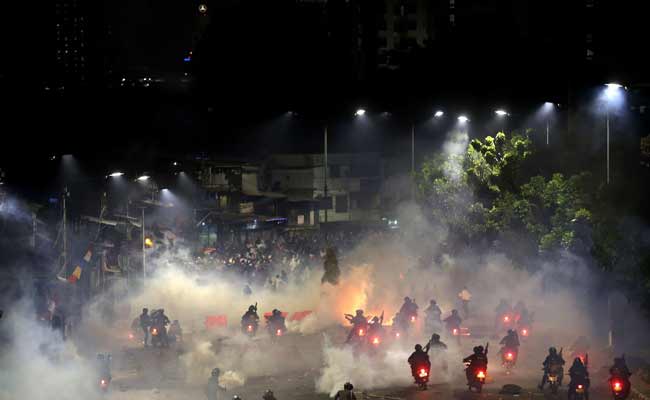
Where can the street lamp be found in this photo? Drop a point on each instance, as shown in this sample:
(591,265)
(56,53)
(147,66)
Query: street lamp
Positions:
(439,114)
(613,96)
(143,178)
(462,119)
(116,174)
(501,113)
(360,112)
(548,109)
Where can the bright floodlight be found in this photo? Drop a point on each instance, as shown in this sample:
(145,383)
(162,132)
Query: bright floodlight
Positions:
(613,86)
(360,112)
(501,113)
(463,119)
(143,178)
(116,174)
(439,114)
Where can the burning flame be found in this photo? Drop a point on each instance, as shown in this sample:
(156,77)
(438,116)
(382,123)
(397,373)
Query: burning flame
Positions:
(423,373)
(480,375)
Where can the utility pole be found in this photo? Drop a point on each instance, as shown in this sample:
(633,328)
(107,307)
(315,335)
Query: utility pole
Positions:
(413,161)
(325,172)
(144,260)
(65,230)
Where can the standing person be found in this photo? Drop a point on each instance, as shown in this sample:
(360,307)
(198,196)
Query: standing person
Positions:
(465,296)
(145,323)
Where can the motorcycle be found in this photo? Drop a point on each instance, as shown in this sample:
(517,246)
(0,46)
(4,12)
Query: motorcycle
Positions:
(620,387)
(249,328)
(422,376)
(477,379)
(156,336)
(508,359)
(554,373)
(103,384)
(578,392)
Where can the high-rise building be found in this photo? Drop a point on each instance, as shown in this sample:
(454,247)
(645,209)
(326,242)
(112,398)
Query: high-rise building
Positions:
(71,43)
(403,25)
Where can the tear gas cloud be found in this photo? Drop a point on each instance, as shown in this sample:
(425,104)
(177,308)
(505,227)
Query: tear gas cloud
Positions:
(377,274)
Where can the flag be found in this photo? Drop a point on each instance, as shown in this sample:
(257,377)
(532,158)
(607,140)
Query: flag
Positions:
(268,315)
(82,263)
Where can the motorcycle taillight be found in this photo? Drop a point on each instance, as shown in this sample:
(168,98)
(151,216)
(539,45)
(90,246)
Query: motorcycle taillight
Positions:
(423,373)
(617,386)
(278,332)
(249,328)
(480,375)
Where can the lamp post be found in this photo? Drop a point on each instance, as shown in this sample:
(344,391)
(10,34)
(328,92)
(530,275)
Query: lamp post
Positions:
(612,93)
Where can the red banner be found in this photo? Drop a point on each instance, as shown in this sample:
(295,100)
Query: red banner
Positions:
(299,315)
(215,321)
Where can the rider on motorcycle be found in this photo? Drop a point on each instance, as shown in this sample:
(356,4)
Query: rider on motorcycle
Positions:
(358,321)
(104,367)
(250,317)
(175,331)
(503,309)
(553,360)
(510,342)
(419,359)
(160,321)
(433,313)
(621,372)
(375,325)
(275,321)
(477,360)
(579,376)
(346,393)
(453,321)
(409,309)
(435,343)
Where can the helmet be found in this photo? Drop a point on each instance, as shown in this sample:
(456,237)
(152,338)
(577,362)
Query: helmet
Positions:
(435,337)
(407,299)
(162,310)
(251,308)
(268,395)
(235,397)
(476,350)
(510,331)
(418,347)
(348,386)
(375,319)
(276,311)
(432,301)
(145,310)
(454,311)
(552,350)
(359,312)
(215,372)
